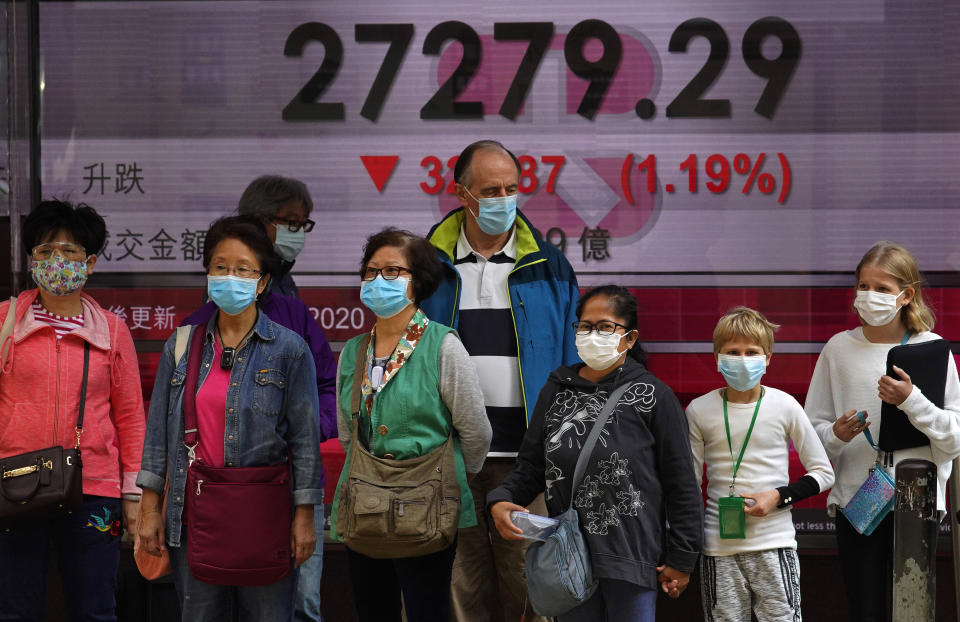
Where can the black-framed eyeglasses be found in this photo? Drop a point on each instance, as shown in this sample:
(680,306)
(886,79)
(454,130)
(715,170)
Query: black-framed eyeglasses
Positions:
(604,328)
(294,225)
(389,273)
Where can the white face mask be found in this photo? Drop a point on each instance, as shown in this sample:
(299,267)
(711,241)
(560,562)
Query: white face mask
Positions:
(876,308)
(599,352)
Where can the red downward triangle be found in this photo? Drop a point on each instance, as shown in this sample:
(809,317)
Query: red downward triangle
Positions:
(380,168)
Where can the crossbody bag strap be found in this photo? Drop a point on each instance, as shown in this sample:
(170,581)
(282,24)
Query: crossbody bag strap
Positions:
(190,391)
(83,391)
(587,449)
(360,368)
(6,333)
(356,393)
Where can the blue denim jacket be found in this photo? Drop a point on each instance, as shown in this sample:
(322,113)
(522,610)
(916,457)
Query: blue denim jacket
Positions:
(271,409)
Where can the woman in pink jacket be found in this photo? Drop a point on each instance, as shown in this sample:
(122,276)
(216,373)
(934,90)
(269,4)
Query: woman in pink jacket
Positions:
(40,388)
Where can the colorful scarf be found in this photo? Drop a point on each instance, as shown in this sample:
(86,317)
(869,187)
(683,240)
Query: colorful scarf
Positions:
(401,354)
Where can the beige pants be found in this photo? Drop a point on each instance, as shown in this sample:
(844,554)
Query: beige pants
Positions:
(488,583)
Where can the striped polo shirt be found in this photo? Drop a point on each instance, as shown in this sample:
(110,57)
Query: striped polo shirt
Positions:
(61,325)
(488,334)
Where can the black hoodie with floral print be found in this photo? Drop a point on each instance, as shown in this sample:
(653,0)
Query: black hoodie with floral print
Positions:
(639,503)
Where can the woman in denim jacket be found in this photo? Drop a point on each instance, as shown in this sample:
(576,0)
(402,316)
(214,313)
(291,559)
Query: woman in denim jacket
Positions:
(251,411)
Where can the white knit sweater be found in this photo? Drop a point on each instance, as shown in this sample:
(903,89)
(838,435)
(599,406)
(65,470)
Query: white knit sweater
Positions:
(765,465)
(846,378)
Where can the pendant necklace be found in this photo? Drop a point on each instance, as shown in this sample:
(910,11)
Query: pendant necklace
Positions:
(228,355)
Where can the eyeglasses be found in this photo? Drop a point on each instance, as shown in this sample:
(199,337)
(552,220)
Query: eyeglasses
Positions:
(604,329)
(389,273)
(68,250)
(242,271)
(294,225)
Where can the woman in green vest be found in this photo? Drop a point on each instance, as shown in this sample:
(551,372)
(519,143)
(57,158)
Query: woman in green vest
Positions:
(403,390)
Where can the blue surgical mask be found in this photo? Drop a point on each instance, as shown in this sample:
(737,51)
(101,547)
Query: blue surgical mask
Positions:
(289,243)
(232,294)
(497,214)
(385,298)
(742,373)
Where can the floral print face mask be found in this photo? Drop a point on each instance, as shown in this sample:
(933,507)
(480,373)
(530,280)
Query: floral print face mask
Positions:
(59,276)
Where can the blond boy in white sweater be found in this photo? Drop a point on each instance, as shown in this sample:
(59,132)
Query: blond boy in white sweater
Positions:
(743,433)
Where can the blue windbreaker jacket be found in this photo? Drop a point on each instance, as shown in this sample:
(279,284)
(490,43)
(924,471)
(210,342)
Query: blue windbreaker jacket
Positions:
(543,301)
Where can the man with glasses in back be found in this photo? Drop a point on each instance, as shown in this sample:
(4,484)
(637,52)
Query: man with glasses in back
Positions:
(286,205)
(511,297)
(282,206)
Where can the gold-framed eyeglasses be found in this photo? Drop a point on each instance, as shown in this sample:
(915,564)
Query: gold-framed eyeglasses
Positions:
(389,273)
(604,328)
(67,250)
(243,272)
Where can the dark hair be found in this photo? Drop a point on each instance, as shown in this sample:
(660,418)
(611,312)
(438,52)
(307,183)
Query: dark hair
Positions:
(267,194)
(466,157)
(246,229)
(624,306)
(421,256)
(49,217)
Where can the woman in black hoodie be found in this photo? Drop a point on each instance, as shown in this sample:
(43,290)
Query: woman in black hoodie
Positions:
(638,479)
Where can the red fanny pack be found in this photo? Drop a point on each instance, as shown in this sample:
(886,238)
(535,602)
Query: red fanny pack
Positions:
(238,518)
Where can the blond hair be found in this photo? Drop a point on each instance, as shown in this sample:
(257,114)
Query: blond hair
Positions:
(746,323)
(900,263)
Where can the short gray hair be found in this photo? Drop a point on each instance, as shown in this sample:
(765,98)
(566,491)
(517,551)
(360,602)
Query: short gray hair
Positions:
(267,194)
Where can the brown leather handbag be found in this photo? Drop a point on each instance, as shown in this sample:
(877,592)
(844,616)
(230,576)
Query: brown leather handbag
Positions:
(46,483)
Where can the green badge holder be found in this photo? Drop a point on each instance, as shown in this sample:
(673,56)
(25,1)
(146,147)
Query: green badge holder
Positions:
(733,519)
(732,515)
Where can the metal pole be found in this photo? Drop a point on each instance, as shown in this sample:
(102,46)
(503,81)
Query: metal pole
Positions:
(955,532)
(35,114)
(24,122)
(915,542)
(18,165)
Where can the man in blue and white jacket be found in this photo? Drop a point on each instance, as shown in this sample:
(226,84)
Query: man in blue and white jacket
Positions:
(512,298)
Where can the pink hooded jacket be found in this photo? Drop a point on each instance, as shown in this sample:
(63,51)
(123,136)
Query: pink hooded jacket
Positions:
(40,393)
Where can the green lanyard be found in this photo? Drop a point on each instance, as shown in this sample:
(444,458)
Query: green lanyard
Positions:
(746,439)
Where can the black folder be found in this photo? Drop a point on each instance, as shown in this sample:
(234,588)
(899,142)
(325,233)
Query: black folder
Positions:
(926,364)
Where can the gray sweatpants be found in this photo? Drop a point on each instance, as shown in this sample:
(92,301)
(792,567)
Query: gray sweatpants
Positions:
(768,581)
